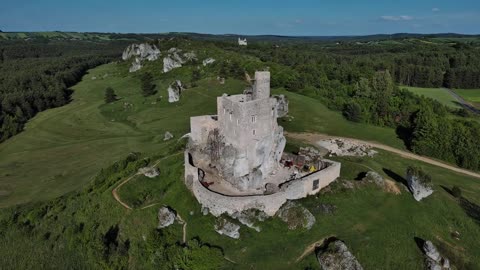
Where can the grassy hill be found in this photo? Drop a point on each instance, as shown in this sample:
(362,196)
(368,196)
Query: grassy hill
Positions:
(63,149)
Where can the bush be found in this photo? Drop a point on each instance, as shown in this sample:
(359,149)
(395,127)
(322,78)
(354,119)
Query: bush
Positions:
(456,192)
(353,112)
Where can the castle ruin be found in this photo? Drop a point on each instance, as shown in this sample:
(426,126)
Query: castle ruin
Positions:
(233,161)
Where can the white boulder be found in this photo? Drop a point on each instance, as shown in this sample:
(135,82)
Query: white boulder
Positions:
(166,217)
(227,228)
(142,51)
(208,61)
(167,136)
(418,185)
(296,216)
(174,91)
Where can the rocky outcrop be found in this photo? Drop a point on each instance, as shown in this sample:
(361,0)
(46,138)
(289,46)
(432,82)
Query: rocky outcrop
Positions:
(296,216)
(376,178)
(419,184)
(282,105)
(208,61)
(141,52)
(250,217)
(434,261)
(166,217)
(343,147)
(167,136)
(176,59)
(136,65)
(174,91)
(227,228)
(334,255)
(242,42)
(149,172)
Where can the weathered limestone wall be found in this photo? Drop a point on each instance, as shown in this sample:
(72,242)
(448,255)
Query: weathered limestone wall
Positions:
(200,126)
(218,203)
(261,88)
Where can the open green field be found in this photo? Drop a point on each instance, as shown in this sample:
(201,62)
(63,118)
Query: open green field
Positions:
(470,95)
(62,149)
(438,94)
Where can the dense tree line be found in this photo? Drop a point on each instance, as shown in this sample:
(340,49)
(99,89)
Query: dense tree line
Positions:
(362,82)
(35,76)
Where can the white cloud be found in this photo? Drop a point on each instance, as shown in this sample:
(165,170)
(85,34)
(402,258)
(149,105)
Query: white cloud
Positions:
(298,21)
(397,18)
(435,9)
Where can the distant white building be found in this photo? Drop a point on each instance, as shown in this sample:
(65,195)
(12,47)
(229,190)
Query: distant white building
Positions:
(242,42)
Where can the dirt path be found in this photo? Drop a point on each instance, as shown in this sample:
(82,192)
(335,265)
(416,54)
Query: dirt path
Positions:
(117,197)
(313,138)
(462,101)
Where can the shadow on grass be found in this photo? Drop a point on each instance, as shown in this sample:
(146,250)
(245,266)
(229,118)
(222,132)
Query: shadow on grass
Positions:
(449,191)
(420,242)
(395,177)
(471,209)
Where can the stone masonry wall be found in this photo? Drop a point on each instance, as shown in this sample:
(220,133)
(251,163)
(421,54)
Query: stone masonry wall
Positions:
(218,203)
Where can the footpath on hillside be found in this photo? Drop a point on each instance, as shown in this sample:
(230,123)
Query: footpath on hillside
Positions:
(313,138)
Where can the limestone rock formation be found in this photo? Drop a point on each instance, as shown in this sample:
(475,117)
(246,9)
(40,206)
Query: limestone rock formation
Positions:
(141,52)
(296,216)
(250,217)
(227,228)
(335,255)
(434,261)
(149,172)
(174,91)
(282,105)
(375,178)
(166,217)
(208,61)
(167,136)
(418,185)
(176,59)
(136,65)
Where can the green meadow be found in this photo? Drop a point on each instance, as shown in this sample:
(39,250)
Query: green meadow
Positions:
(51,165)
(439,94)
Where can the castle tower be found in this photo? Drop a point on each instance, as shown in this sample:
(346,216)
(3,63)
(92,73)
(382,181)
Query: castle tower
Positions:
(261,87)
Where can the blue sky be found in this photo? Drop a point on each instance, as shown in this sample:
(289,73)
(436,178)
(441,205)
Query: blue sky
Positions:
(299,17)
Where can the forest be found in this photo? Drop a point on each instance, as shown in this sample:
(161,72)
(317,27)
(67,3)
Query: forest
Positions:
(36,75)
(362,81)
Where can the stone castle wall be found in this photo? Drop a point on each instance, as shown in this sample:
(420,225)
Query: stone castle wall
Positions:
(297,189)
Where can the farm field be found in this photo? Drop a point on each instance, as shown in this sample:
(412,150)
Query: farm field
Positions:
(470,95)
(439,94)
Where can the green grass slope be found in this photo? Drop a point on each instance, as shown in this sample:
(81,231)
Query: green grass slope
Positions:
(470,95)
(438,94)
(62,149)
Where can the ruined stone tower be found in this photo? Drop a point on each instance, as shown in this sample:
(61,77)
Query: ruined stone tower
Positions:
(252,143)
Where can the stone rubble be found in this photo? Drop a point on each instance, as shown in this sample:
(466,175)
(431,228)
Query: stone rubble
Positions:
(227,228)
(343,147)
(336,256)
(166,217)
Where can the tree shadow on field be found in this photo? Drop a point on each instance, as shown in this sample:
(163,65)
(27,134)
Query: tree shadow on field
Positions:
(404,134)
(395,177)
(471,209)
(449,191)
